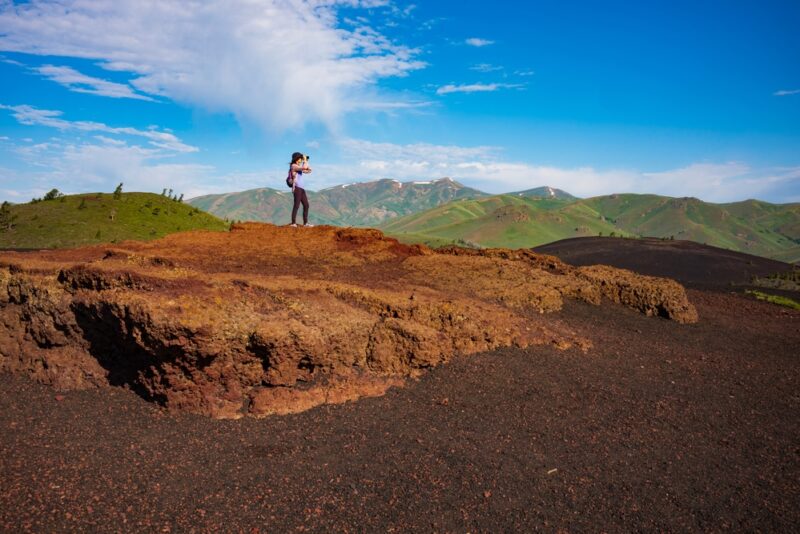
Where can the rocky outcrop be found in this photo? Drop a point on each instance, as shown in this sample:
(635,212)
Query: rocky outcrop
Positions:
(269,320)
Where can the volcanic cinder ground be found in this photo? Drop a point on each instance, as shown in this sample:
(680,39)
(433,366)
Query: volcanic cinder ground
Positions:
(265,320)
(583,398)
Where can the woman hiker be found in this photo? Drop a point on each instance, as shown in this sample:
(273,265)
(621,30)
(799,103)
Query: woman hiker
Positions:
(297,169)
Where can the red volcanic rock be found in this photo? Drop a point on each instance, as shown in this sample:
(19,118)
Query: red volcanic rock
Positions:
(270,320)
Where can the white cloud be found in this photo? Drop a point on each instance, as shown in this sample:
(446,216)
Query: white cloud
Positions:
(105,160)
(4,138)
(263,61)
(43,117)
(477,41)
(476,88)
(390,106)
(486,168)
(431,23)
(81,83)
(705,178)
(785,92)
(75,167)
(527,72)
(368,150)
(11,62)
(485,67)
(109,156)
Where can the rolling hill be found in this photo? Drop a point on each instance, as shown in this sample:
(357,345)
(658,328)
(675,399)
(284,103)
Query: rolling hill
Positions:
(359,204)
(754,227)
(85,219)
(498,221)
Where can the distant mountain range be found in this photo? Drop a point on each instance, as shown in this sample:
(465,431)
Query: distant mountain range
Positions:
(444,211)
(359,204)
(545,192)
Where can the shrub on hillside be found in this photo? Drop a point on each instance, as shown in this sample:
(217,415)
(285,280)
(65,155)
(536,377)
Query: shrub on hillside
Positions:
(6,218)
(53,194)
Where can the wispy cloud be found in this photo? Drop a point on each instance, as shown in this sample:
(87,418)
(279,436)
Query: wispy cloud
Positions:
(524,72)
(101,163)
(402,104)
(75,166)
(476,88)
(11,61)
(489,169)
(478,42)
(784,92)
(81,83)
(44,117)
(485,67)
(434,154)
(261,61)
(431,23)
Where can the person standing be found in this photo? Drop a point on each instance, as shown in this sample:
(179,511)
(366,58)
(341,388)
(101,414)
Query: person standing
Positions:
(298,168)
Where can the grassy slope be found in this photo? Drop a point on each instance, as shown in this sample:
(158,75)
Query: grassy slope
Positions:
(60,223)
(499,221)
(750,227)
(754,227)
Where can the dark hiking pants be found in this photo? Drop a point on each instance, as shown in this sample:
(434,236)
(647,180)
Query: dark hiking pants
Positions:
(300,197)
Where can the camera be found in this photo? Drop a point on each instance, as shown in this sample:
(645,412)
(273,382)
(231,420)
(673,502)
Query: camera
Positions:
(306,156)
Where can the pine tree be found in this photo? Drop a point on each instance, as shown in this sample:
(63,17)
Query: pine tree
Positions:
(118,192)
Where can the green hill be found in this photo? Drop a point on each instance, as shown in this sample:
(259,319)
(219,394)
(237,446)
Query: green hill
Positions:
(760,228)
(85,219)
(753,227)
(359,204)
(499,221)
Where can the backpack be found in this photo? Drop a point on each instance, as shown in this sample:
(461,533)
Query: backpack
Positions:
(290,179)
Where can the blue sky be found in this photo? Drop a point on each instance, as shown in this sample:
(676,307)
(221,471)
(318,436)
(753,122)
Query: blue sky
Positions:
(677,98)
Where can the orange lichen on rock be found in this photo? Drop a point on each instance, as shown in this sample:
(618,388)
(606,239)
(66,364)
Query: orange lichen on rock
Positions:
(270,320)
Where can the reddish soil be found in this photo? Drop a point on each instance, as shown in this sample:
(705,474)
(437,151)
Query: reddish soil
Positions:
(272,320)
(658,426)
(661,426)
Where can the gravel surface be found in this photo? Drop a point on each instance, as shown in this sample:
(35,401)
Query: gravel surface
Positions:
(660,426)
(692,264)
